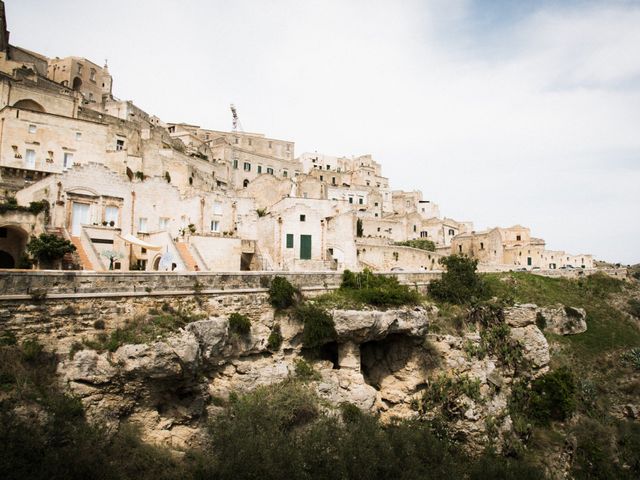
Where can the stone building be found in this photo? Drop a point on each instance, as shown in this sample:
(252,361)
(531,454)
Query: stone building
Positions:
(134,192)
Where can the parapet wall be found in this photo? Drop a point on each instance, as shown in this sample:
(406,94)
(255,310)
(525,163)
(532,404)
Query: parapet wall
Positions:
(78,284)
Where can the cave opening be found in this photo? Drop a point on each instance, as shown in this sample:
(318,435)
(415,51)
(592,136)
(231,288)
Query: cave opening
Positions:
(381,358)
(329,351)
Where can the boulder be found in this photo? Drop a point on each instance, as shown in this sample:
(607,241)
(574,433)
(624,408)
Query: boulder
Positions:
(534,345)
(364,325)
(563,320)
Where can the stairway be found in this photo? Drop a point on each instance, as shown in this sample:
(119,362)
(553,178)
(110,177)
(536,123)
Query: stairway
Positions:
(185,254)
(81,254)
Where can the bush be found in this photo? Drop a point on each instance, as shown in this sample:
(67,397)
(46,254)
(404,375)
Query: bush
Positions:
(98,325)
(444,391)
(460,284)
(48,247)
(305,372)
(632,356)
(239,324)
(551,397)
(377,290)
(281,293)
(275,339)
(31,350)
(318,325)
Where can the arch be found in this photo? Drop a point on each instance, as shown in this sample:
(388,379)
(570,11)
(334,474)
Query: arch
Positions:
(13,241)
(245,184)
(156,263)
(6,260)
(28,104)
(77,84)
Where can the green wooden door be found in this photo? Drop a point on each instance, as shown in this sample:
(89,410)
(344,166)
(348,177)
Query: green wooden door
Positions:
(305,247)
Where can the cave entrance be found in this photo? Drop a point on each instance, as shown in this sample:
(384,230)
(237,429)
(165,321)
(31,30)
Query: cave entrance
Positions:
(329,351)
(381,358)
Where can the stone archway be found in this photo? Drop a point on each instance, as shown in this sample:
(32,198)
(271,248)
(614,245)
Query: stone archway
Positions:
(13,241)
(28,104)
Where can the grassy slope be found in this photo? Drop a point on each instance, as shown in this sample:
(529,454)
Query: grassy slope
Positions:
(608,327)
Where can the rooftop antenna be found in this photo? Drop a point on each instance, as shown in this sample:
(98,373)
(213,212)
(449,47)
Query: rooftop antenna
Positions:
(235,120)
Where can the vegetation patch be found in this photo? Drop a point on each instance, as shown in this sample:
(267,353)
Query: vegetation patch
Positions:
(377,290)
(305,372)
(281,293)
(421,244)
(275,338)
(239,324)
(49,248)
(460,284)
(444,392)
(318,325)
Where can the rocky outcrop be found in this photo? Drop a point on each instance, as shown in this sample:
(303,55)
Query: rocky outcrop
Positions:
(563,320)
(381,361)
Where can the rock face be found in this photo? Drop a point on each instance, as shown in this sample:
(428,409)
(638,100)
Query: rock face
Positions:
(563,320)
(381,361)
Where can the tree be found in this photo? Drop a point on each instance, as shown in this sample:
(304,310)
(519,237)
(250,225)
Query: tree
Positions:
(460,284)
(112,255)
(48,248)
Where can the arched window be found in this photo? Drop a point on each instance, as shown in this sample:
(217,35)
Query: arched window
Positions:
(77,83)
(245,184)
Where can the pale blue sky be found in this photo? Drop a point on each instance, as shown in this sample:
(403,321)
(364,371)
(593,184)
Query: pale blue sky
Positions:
(502,112)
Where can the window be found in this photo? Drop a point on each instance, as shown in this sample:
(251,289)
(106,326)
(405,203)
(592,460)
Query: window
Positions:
(378,228)
(361,201)
(30,159)
(415,228)
(215,225)
(451,231)
(237,141)
(321,178)
(424,234)
(288,148)
(269,144)
(289,240)
(303,218)
(249,142)
(217,208)
(518,238)
(67,161)
(235,164)
(285,173)
(259,168)
(79,69)
(247,167)
(142,225)
(270,170)
(92,75)
(78,136)
(460,248)
(376,204)
(119,145)
(32,129)
(333,180)
(481,245)
(350,199)
(328,167)
(163,223)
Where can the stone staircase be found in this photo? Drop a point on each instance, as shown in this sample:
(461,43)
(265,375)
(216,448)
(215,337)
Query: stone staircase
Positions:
(187,257)
(82,256)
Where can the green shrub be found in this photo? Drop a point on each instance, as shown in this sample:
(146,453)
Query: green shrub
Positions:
(281,293)
(48,247)
(460,284)
(422,244)
(550,397)
(99,324)
(496,340)
(318,325)
(31,350)
(377,290)
(239,324)
(275,338)
(75,348)
(305,372)
(444,391)
(350,413)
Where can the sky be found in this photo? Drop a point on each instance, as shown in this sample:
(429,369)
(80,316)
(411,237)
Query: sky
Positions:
(502,112)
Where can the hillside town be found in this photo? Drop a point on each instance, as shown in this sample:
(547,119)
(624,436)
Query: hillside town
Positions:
(132,191)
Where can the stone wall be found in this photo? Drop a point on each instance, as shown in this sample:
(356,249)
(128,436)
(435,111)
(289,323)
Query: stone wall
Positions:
(78,284)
